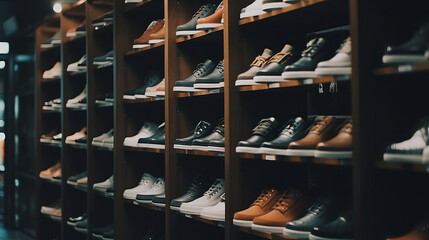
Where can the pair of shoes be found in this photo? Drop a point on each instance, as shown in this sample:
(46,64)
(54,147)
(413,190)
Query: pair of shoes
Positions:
(51,208)
(105,20)
(155,33)
(77,31)
(322,139)
(106,59)
(53,41)
(206,75)
(204,14)
(205,136)
(157,90)
(104,140)
(79,101)
(150,190)
(53,172)
(76,136)
(259,7)
(106,232)
(272,210)
(78,178)
(147,130)
(49,137)
(78,66)
(72,221)
(104,186)
(156,141)
(53,104)
(151,79)
(54,72)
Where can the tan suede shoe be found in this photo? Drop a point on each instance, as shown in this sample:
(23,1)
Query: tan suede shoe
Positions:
(143,40)
(158,36)
(57,214)
(48,173)
(76,136)
(83,181)
(338,147)
(57,174)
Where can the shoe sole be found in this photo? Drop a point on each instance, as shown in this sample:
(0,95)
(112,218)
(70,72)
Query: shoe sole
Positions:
(175,208)
(107,145)
(71,224)
(274,151)
(81,230)
(208,85)
(313,237)
(140,96)
(191,210)
(300,152)
(253,150)
(242,223)
(272,6)
(188,32)
(295,233)
(270,229)
(180,146)
(105,238)
(397,157)
(216,149)
(162,205)
(130,145)
(185,89)
(137,46)
(251,14)
(160,93)
(215,216)
(129,97)
(404,59)
(245,82)
(327,71)
(208,25)
(72,183)
(45,140)
(268,79)
(333,154)
(150,94)
(102,63)
(154,41)
(199,148)
(98,144)
(152,146)
(299,74)
(46,45)
(97,236)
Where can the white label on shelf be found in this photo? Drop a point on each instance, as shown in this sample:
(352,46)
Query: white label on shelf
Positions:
(221,154)
(270,157)
(405,68)
(308,81)
(274,85)
(215,91)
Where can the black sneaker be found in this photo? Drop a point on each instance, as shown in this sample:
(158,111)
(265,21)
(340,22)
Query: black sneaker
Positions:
(217,145)
(82,226)
(294,130)
(202,69)
(156,141)
(195,190)
(203,143)
(268,5)
(202,129)
(151,79)
(338,229)
(190,27)
(264,131)
(213,80)
(318,49)
(104,60)
(73,179)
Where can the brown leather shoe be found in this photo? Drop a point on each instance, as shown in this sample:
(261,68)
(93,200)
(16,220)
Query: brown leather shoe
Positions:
(151,91)
(158,36)
(323,129)
(338,147)
(143,40)
(262,205)
(420,232)
(48,173)
(212,21)
(57,174)
(292,205)
(160,91)
(48,137)
(83,181)
(56,214)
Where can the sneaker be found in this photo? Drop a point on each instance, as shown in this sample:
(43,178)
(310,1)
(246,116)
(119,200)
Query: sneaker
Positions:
(291,205)
(73,179)
(73,32)
(263,132)
(338,147)
(338,229)
(292,131)
(74,67)
(72,221)
(104,60)
(212,21)
(210,198)
(195,190)
(145,184)
(268,5)
(218,133)
(148,130)
(48,137)
(340,64)
(262,205)
(216,212)
(159,200)
(156,141)
(58,137)
(82,226)
(49,209)
(152,91)
(151,79)
(157,188)
(202,129)
(98,141)
(48,173)
(103,186)
(213,80)
(272,71)
(254,9)
(202,70)
(158,36)
(143,40)
(108,142)
(77,135)
(260,61)
(54,72)
(190,27)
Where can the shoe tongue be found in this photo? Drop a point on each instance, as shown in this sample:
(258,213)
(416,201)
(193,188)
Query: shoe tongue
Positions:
(267,53)
(287,48)
(208,62)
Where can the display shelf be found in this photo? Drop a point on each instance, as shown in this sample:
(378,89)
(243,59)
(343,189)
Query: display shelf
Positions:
(140,149)
(52,180)
(103,29)
(76,10)
(103,148)
(103,194)
(264,235)
(199,93)
(218,31)
(145,205)
(77,145)
(104,105)
(135,52)
(54,49)
(143,100)
(102,3)
(402,69)
(298,159)
(80,187)
(51,144)
(136,6)
(78,74)
(54,110)
(294,7)
(200,153)
(403,166)
(294,83)
(200,219)
(52,80)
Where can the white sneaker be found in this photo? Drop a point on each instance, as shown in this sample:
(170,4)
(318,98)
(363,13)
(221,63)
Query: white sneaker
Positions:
(411,150)
(254,9)
(148,130)
(210,198)
(268,5)
(108,142)
(340,64)
(103,186)
(157,188)
(145,184)
(98,141)
(74,102)
(73,67)
(217,212)
(54,72)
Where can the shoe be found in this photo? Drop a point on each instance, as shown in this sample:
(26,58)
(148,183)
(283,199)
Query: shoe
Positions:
(108,142)
(160,90)
(104,20)
(81,30)
(419,232)
(152,91)
(76,135)
(54,40)
(263,132)
(57,214)
(268,5)
(217,145)
(254,9)
(216,212)
(324,210)
(157,188)
(338,147)
(261,206)
(109,234)
(415,50)
(73,32)
(99,232)
(212,21)
(338,229)
(318,49)
(72,221)
(143,40)
(82,226)
(159,200)
(145,184)
(73,179)
(103,186)
(110,192)
(210,198)
(98,141)
(202,70)
(217,134)
(104,60)
(323,129)
(272,71)
(82,181)
(158,36)
(77,66)
(57,175)
(74,102)
(260,61)
(148,130)
(49,209)
(340,64)
(48,173)
(151,79)
(58,137)
(213,80)
(48,137)
(294,130)
(190,27)
(195,190)
(202,129)
(291,205)
(82,140)
(157,141)
(54,72)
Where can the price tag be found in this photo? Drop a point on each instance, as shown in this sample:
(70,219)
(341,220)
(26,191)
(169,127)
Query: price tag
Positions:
(274,85)
(215,91)
(405,68)
(270,157)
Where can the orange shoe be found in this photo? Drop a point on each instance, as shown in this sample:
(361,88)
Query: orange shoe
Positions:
(212,21)
(48,173)
(420,232)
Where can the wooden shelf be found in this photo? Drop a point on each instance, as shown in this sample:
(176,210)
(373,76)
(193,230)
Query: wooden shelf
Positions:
(294,83)
(55,110)
(217,30)
(264,235)
(139,149)
(403,166)
(52,144)
(80,187)
(136,6)
(52,80)
(298,159)
(51,180)
(200,219)
(145,205)
(54,49)
(277,12)
(200,153)
(143,100)
(102,3)
(402,69)
(77,145)
(199,93)
(103,148)
(135,52)
(76,10)
(78,74)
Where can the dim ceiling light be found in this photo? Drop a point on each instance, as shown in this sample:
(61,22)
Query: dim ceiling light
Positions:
(57,7)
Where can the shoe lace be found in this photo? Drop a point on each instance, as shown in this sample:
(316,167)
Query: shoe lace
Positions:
(319,126)
(161,128)
(158,184)
(145,180)
(259,61)
(220,129)
(312,48)
(220,6)
(291,127)
(201,126)
(199,13)
(220,67)
(199,70)
(346,46)
(151,25)
(348,127)
(316,208)
(286,201)
(223,198)
(264,127)
(263,198)
(278,57)
(215,188)
(193,188)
